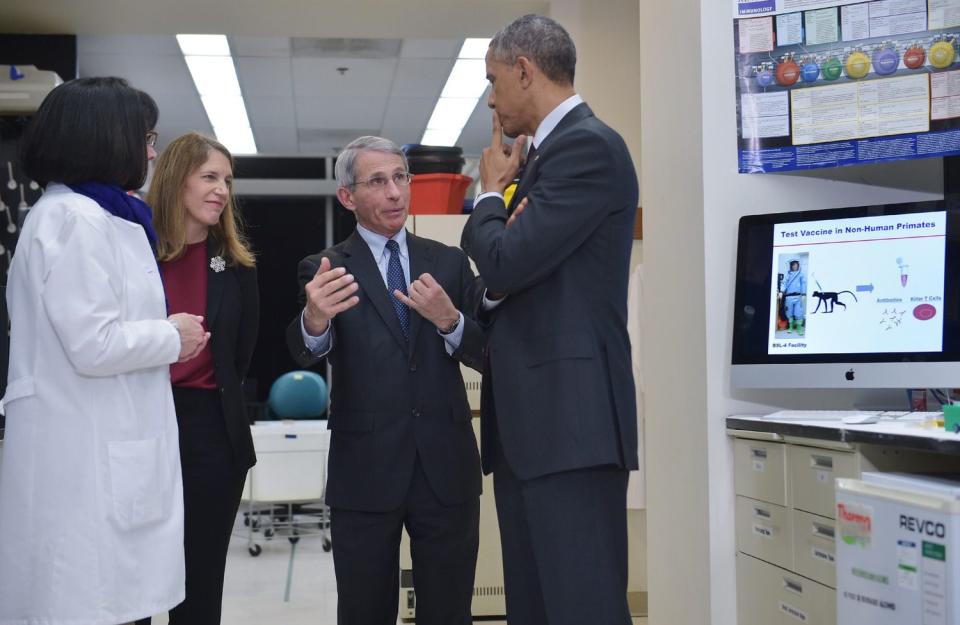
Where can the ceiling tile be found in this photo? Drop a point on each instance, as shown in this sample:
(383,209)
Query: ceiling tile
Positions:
(420,78)
(260,76)
(327,47)
(364,77)
(408,113)
(275,140)
(269,111)
(127,44)
(401,136)
(153,74)
(431,48)
(260,46)
(339,112)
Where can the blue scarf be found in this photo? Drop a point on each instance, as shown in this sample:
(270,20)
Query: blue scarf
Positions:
(117,202)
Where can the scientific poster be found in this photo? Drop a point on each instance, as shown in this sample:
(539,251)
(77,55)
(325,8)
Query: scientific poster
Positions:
(841,82)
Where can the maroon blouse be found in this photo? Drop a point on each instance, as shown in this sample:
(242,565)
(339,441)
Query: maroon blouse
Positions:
(185,284)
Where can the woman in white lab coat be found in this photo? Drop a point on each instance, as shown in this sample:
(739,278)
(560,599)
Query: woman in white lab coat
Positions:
(91,512)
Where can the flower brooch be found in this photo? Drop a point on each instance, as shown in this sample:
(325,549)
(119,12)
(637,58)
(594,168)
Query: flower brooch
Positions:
(218,264)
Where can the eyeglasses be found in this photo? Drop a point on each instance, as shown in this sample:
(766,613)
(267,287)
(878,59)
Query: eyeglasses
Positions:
(379,183)
(152,137)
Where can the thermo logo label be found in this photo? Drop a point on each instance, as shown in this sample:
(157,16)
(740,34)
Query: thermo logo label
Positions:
(855,523)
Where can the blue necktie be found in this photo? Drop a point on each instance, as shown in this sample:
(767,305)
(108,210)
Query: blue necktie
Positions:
(395,281)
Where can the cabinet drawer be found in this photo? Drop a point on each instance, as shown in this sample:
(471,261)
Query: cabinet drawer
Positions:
(763,531)
(755,587)
(780,597)
(760,470)
(814,548)
(812,474)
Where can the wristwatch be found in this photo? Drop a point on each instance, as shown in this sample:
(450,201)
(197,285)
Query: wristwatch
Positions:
(453,326)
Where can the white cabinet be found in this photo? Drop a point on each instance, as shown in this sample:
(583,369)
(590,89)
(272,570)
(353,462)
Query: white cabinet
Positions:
(291,461)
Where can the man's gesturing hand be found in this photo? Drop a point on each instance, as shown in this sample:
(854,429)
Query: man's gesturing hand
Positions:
(428,298)
(329,293)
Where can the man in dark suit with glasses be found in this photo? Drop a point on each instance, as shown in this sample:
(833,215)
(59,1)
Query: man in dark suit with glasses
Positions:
(384,307)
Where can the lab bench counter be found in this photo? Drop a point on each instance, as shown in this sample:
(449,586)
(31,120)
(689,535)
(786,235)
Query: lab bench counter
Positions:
(904,432)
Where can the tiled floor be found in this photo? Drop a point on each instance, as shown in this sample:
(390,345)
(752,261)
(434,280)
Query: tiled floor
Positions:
(254,587)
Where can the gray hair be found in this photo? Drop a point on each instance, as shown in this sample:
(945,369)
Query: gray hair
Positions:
(543,41)
(346,167)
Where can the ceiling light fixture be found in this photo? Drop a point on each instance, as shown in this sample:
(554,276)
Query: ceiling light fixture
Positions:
(465,84)
(215,76)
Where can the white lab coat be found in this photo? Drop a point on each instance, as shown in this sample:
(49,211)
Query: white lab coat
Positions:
(91,502)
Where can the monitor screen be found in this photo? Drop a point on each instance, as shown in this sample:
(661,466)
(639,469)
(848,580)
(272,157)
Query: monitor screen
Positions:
(862,297)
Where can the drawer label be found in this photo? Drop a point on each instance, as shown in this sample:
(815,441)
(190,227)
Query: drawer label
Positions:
(759,466)
(796,613)
(763,530)
(826,556)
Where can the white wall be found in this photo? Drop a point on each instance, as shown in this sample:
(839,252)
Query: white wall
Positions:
(693,198)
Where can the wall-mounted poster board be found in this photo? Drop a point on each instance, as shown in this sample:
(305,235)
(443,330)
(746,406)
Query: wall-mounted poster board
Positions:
(825,84)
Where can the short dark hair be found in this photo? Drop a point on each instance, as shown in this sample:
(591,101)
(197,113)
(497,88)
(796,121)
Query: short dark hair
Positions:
(90,129)
(543,41)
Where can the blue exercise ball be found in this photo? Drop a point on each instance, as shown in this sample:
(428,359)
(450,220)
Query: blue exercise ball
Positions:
(298,395)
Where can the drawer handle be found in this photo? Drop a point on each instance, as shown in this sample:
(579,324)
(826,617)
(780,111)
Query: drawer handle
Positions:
(760,512)
(759,453)
(822,462)
(793,586)
(823,530)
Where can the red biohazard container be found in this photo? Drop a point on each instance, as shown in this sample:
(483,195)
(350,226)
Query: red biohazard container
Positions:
(438,194)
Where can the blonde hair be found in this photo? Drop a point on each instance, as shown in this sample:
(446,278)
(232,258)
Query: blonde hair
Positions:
(179,160)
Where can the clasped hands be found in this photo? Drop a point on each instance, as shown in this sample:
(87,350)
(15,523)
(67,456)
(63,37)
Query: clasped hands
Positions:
(193,337)
(332,291)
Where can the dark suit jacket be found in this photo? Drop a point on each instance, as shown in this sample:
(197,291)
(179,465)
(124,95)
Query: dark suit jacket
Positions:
(392,399)
(233,318)
(559,392)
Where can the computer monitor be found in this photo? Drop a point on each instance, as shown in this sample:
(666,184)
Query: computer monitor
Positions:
(859,297)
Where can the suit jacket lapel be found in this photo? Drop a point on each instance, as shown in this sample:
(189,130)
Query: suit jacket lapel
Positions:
(576,114)
(215,284)
(421,261)
(360,262)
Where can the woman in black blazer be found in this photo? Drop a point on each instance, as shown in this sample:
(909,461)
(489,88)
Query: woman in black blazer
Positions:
(208,270)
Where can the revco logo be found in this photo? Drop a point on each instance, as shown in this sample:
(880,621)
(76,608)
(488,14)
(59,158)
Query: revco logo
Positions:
(922,526)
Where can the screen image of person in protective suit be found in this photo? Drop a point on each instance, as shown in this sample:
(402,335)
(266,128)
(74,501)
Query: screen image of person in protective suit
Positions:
(794,290)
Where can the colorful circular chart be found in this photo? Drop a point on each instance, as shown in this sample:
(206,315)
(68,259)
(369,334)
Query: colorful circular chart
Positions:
(942,54)
(765,78)
(914,57)
(831,68)
(810,72)
(857,65)
(885,61)
(787,73)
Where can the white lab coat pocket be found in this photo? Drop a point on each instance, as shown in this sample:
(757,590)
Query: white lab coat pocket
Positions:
(140,482)
(18,389)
